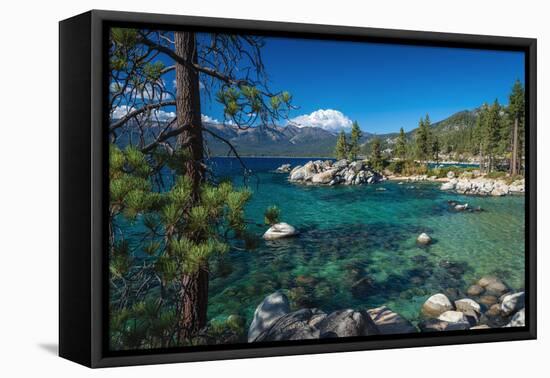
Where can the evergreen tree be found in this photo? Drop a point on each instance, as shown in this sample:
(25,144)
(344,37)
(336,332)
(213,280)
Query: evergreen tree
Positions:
(375,159)
(184,216)
(401,145)
(479,135)
(493,123)
(342,149)
(516,114)
(169,219)
(423,139)
(354,141)
(435,148)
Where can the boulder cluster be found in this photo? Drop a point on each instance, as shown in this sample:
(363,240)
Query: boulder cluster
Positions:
(484,186)
(274,321)
(327,172)
(489,304)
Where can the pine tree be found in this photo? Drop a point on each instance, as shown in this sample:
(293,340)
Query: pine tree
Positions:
(181,215)
(516,113)
(479,135)
(375,159)
(423,139)
(342,149)
(354,141)
(169,220)
(401,145)
(435,148)
(492,133)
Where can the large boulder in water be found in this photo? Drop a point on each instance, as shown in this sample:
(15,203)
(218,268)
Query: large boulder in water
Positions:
(267,313)
(436,305)
(297,325)
(466,305)
(493,286)
(347,323)
(280,230)
(512,303)
(388,322)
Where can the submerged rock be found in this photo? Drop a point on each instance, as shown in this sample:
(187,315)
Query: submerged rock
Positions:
(280,230)
(436,305)
(267,313)
(461,207)
(493,286)
(423,239)
(475,290)
(388,322)
(488,300)
(363,287)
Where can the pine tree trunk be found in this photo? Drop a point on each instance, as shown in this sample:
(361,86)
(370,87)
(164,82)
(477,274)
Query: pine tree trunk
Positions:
(481,165)
(514,163)
(194,287)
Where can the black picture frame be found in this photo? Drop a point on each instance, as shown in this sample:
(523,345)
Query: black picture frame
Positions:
(83,166)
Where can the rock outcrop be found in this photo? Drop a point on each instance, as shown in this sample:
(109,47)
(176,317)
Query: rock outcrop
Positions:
(273,307)
(484,186)
(284,168)
(326,172)
(388,322)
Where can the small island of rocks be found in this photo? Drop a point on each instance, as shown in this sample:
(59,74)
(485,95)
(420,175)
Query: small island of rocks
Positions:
(327,172)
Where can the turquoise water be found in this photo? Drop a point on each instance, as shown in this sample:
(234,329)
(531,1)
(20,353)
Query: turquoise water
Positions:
(357,245)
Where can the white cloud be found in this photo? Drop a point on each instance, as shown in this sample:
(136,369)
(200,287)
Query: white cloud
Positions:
(328,119)
(121,110)
(207,119)
(162,115)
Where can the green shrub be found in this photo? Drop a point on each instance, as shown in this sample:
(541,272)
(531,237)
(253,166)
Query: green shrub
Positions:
(495,175)
(272,215)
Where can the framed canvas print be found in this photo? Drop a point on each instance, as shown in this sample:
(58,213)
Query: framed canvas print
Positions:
(234,188)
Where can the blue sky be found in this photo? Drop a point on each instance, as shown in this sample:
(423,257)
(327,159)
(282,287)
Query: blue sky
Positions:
(385,87)
(382,86)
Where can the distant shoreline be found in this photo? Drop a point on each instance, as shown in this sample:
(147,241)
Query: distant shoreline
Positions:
(277,157)
(332,158)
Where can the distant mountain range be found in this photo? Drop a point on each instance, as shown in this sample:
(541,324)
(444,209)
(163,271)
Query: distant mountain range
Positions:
(291,140)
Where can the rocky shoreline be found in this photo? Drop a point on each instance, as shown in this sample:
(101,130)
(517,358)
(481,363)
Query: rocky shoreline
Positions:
(483,186)
(489,303)
(344,172)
